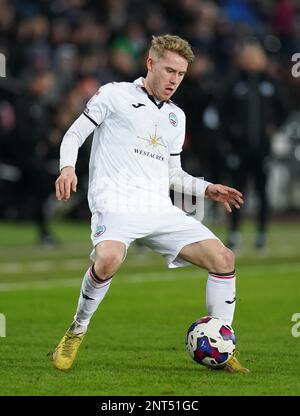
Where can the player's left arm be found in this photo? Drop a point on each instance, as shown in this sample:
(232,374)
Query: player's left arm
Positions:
(188,184)
(183,182)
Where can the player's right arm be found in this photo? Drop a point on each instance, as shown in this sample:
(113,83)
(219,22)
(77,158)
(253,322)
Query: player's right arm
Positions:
(97,109)
(72,140)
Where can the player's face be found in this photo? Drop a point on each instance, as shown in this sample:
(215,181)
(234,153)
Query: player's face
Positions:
(166,74)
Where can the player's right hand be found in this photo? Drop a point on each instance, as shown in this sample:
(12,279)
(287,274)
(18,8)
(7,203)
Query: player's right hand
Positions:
(66,183)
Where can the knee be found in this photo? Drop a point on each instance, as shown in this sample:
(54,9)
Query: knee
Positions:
(224,262)
(107,264)
(229,260)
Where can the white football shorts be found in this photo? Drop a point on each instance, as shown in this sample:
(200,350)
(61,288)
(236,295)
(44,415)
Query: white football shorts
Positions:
(165,233)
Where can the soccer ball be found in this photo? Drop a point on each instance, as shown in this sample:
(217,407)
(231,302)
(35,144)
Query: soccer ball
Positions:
(210,341)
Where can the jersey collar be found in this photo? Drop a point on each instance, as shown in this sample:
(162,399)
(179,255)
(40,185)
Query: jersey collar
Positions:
(139,82)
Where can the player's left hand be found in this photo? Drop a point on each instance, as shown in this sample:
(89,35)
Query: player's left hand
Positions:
(225,195)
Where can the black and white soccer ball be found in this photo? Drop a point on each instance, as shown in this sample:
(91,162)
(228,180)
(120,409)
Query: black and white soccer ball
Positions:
(210,341)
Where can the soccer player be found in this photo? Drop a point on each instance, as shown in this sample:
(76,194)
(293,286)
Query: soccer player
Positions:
(135,159)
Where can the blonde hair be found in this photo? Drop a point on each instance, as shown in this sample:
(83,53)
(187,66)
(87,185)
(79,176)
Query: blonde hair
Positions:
(172,43)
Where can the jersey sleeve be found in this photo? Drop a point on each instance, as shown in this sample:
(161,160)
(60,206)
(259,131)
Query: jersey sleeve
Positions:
(177,143)
(73,140)
(100,106)
(181,180)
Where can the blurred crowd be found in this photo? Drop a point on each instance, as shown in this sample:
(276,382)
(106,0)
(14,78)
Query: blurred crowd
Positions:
(238,91)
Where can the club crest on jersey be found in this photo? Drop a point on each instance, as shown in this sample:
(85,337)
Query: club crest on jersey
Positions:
(100,230)
(173,119)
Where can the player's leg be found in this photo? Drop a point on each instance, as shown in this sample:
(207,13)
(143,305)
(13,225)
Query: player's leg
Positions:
(220,289)
(182,240)
(108,258)
(97,280)
(219,261)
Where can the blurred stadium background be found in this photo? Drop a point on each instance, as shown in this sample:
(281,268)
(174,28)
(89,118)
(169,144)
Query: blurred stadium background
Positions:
(57,54)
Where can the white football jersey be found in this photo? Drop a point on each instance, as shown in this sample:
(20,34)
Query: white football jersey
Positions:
(135,155)
(131,147)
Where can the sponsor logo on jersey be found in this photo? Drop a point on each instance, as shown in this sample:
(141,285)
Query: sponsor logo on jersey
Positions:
(100,230)
(138,105)
(148,154)
(152,143)
(173,119)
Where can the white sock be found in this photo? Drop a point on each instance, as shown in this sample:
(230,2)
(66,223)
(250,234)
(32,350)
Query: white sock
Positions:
(220,295)
(91,294)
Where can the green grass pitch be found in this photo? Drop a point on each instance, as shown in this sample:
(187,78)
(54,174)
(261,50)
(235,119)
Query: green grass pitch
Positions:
(136,341)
